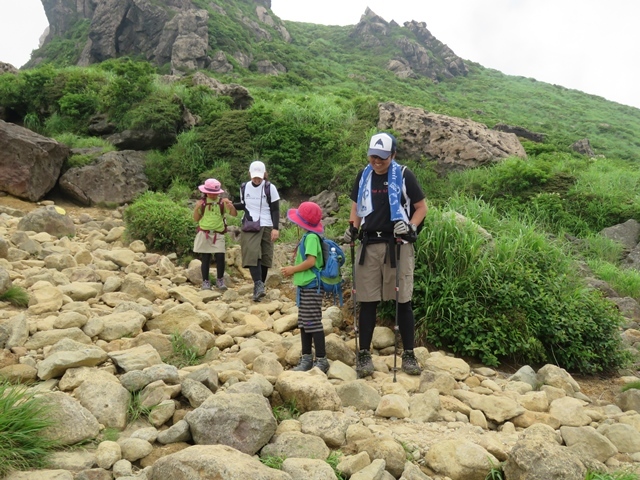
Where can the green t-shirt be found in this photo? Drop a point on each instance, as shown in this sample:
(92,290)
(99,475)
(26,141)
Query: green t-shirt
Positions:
(212,218)
(313,247)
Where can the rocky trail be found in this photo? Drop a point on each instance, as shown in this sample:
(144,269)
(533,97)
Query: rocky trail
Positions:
(101,328)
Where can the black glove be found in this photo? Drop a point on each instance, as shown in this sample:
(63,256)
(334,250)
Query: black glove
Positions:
(350,234)
(412,235)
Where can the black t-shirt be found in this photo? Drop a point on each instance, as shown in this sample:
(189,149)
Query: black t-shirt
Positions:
(380,219)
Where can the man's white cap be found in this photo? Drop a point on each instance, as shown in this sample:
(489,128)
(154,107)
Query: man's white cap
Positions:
(382,145)
(257,169)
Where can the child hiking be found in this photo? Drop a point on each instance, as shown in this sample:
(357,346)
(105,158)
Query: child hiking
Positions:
(308,216)
(209,212)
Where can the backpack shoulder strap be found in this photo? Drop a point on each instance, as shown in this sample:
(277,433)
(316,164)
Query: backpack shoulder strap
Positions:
(243,186)
(267,190)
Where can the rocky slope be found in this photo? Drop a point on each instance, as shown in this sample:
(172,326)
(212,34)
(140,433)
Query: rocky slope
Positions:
(98,331)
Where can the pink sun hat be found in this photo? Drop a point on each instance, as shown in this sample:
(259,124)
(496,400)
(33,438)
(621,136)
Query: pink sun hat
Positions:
(308,216)
(211,185)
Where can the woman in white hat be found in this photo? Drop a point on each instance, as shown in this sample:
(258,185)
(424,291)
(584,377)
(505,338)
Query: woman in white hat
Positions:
(209,212)
(260,201)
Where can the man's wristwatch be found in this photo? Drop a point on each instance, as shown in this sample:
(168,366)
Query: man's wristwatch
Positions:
(413,227)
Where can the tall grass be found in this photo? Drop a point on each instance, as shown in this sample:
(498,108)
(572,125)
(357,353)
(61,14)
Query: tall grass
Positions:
(515,296)
(22,419)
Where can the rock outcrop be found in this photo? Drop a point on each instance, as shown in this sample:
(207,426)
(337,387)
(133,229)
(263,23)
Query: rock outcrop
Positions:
(454,143)
(102,324)
(172,32)
(426,56)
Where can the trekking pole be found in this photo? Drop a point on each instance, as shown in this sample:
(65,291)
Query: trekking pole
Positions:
(352,245)
(395,326)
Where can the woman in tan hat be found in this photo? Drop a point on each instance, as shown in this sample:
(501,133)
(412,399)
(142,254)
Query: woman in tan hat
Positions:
(209,212)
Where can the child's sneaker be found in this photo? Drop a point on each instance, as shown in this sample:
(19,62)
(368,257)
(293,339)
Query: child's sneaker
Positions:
(410,364)
(220,284)
(206,285)
(364,364)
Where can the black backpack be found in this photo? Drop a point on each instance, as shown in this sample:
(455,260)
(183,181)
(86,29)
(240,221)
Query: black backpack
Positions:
(267,191)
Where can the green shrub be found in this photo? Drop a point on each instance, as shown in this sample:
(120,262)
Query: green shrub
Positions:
(183,162)
(22,420)
(162,224)
(514,297)
(132,82)
(159,112)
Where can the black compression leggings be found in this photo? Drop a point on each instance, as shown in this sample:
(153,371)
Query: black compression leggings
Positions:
(220,264)
(367,319)
(318,340)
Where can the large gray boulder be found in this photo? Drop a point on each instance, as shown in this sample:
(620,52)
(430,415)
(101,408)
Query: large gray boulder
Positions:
(115,177)
(48,219)
(242,421)
(30,164)
(454,143)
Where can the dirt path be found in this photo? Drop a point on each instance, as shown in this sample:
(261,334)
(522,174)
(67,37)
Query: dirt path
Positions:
(70,207)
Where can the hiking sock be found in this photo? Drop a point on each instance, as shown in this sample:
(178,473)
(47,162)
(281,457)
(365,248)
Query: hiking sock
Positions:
(204,268)
(306,339)
(318,341)
(406,325)
(264,271)
(220,264)
(367,320)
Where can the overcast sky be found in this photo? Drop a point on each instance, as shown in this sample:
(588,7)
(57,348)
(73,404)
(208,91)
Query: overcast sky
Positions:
(588,45)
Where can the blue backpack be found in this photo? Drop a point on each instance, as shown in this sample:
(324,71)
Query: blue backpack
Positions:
(329,279)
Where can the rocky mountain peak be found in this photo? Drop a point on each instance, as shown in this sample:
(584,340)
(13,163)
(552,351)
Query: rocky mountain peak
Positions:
(173,32)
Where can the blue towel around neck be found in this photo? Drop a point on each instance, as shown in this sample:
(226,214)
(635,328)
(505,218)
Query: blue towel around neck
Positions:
(394,180)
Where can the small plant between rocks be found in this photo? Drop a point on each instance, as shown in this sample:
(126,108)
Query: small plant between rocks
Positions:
(183,355)
(22,421)
(135,409)
(286,411)
(591,475)
(16,296)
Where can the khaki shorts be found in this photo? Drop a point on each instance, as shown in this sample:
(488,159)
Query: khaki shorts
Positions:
(257,246)
(376,280)
(202,244)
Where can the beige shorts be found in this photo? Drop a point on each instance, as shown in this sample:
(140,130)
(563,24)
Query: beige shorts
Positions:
(376,280)
(257,246)
(202,244)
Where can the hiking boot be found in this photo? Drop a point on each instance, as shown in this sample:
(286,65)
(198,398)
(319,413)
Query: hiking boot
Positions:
(206,285)
(410,364)
(220,284)
(306,363)
(258,291)
(322,363)
(364,364)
